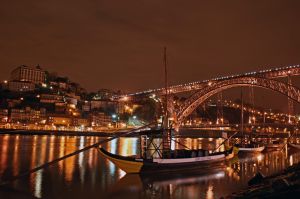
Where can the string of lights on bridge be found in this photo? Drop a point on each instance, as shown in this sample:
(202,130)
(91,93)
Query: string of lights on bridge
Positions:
(280,71)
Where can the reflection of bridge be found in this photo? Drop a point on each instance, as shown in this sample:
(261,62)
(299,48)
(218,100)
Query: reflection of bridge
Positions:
(205,89)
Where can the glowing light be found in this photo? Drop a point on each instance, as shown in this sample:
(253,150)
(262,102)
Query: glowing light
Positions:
(44,85)
(125,98)
(260,157)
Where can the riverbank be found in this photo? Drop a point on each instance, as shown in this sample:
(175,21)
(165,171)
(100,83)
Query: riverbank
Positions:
(285,184)
(109,133)
(183,133)
(58,133)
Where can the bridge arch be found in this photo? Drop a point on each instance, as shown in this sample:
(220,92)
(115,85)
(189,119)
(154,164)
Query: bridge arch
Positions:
(214,87)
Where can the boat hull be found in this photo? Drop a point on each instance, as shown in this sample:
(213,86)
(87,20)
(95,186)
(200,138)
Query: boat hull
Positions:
(274,146)
(251,149)
(135,165)
(296,146)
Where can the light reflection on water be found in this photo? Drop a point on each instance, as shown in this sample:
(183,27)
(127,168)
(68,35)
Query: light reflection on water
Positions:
(87,175)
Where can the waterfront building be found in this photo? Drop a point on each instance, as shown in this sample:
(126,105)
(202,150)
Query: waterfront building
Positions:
(59,120)
(100,119)
(73,99)
(60,107)
(103,105)
(3,115)
(20,86)
(27,115)
(29,74)
(86,107)
(104,94)
(51,98)
(13,102)
(80,122)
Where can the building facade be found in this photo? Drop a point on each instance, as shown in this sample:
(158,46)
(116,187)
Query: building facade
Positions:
(27,115)
(29,74)
(20,86)
(100,119)
(3,115)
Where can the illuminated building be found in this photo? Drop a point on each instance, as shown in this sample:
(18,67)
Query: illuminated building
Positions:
(80,122)
(50,98)
(27,115)
(59,120)
(20,86)
(100,119)
(29,74)
(3,115)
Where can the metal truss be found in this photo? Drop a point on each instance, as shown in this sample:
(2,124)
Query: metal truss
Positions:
(271,73)
(214,87)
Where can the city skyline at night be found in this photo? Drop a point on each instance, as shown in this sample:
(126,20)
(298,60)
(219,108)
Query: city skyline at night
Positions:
(102,44)
(149,99)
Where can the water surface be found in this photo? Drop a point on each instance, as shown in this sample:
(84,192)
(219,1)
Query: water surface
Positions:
(88,175)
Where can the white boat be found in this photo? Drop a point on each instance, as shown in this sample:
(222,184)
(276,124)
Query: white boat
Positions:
(250,148)
(296,146)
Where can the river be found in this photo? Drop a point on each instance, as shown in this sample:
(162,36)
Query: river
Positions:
(88,175)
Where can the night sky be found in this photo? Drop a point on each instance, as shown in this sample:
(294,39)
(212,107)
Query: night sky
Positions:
(119,44)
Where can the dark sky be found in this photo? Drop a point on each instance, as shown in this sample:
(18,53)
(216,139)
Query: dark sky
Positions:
(119,44)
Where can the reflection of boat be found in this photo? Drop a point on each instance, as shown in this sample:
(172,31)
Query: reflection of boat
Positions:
(296,146)
(179,160)
(180,179)
(149,182)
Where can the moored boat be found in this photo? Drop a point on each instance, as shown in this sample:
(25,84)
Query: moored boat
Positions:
(179,160)
(296,146)
(250,148)
(274,145)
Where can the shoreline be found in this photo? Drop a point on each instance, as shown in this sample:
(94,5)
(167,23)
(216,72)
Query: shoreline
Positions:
(285,184)
(200,133)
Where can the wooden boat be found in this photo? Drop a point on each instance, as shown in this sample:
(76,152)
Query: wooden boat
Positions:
(169,159)
(296,146)
(179,160)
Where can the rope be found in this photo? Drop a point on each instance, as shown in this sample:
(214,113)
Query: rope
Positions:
(224,141)
(288,139)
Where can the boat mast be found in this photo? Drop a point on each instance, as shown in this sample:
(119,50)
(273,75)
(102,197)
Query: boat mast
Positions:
(166,116)
(242,113)
(166,135)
